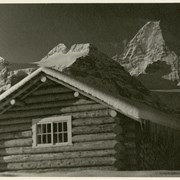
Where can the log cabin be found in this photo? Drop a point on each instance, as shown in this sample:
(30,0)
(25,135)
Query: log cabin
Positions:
(56,120)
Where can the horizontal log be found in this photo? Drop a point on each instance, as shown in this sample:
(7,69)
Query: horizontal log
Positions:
(92,121)
(69,169)
(52,90)
(76,162)
(78,115)
(91,114)
(15,128)
(19,103)
(81,146)
(56,156)
(16,143)
(84,118)
(72,102)
(50,97)
(15,121)
(93,137)
(52,111)
(75,115)
(15,135)
(93,129)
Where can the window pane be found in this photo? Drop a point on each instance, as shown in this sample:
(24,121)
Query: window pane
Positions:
(39,128)
(55,138)
(54,127)
(52,132)
(59,127)
(60,137)
(48,127)
(65,137)
(49,138)
(44,139)
(39,139)
(64,126)
(44,128)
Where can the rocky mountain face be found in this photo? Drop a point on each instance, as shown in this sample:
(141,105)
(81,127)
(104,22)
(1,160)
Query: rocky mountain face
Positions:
(9,78)
(144,52)
(4,72)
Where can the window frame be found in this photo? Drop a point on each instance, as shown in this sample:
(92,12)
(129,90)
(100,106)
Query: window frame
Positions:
(51,120)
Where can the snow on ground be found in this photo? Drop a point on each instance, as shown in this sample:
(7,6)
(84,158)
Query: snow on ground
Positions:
(97,173)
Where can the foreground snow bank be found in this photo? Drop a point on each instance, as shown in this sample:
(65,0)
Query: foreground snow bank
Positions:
(95,173)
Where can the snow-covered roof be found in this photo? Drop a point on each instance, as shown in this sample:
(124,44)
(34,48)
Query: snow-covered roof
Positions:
(123,105)
(95,74)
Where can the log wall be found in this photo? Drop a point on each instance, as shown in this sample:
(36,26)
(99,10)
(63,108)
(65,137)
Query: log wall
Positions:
(131,141)
(159,148)
(97,138)
(150,146)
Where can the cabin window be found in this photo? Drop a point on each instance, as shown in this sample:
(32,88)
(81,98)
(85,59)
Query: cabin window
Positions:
(52,131)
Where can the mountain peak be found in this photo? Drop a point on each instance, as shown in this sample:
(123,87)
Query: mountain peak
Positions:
(82,47)
(146,47)
(61,57)
(60,48)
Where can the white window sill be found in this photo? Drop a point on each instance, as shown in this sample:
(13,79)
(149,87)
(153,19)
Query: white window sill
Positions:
(52,145)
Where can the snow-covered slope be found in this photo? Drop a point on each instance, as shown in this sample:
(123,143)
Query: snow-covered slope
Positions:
(60,57)
(148,46)
(89,66)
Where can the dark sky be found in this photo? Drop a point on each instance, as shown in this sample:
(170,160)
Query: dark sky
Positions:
(28,32)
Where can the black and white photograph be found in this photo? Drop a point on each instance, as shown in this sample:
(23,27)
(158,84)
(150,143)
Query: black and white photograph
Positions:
(90,89)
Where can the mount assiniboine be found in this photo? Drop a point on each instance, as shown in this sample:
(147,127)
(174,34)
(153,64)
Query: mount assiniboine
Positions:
(149,59)
(147,52)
